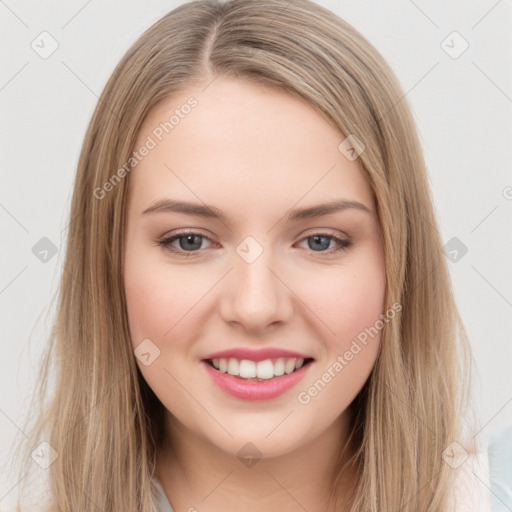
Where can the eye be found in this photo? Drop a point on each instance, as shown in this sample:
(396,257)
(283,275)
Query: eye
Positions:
(318,242)
(188,242)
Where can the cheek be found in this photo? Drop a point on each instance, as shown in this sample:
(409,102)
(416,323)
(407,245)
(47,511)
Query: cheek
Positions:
(159,298)
(161,305)
(150,304)
(348,298)
(359,300)
(350,304)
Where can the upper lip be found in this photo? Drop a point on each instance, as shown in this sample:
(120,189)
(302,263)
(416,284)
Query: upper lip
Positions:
(256,355)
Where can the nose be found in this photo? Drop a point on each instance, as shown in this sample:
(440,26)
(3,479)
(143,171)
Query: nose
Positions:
(256,297)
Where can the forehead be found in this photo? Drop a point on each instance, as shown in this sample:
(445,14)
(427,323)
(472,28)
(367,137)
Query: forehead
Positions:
(245,145)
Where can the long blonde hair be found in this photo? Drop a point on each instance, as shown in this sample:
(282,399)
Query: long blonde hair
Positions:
(102,419)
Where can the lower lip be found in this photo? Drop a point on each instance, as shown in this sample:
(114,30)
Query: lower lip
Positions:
(255,389)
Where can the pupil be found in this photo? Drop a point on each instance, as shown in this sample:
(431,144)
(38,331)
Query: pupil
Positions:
(317,238)
(188,238)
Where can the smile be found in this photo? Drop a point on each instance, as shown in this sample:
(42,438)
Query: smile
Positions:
(246,379)
(258,370)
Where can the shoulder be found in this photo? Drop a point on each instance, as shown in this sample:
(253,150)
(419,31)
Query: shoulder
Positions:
(500,469)
(483,479)
(161,501)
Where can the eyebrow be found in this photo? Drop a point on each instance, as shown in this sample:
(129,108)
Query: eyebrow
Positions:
(211,212)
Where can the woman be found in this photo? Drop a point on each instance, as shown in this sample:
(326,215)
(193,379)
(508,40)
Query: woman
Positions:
(305,352)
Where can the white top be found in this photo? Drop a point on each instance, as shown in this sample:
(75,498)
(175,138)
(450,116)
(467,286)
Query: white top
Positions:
(483,482)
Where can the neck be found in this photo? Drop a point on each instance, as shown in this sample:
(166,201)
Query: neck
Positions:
(198,475)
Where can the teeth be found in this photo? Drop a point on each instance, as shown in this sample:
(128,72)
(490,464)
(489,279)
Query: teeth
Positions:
(267,369)
(289,365)
(247,369)
(233,367)
(279,366)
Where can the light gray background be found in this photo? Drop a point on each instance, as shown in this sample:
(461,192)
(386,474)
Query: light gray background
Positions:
(463,111)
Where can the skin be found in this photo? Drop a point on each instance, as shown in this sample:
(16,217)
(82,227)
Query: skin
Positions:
(254,153)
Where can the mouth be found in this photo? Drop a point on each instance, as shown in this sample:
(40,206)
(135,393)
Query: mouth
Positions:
(257,371)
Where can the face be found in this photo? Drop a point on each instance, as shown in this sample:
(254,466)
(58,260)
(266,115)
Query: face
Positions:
(239,281)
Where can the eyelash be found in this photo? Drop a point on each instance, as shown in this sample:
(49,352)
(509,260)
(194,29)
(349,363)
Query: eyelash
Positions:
(343,244)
